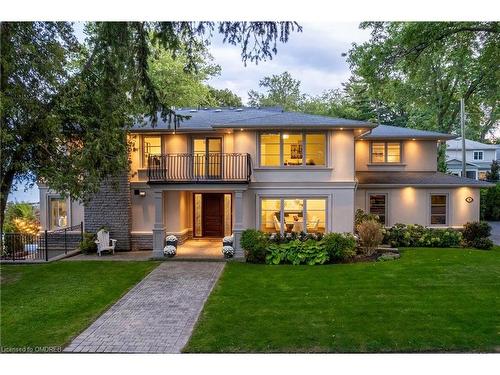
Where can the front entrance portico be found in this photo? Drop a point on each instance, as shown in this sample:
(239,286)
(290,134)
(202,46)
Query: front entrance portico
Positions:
(195,211)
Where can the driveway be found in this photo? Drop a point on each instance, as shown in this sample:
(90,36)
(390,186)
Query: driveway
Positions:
(495,232)
(157,316)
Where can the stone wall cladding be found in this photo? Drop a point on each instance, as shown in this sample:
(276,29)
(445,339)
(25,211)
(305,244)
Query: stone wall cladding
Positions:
(111,207)
(142,241)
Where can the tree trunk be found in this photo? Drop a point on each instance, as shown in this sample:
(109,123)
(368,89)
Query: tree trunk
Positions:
(5,186)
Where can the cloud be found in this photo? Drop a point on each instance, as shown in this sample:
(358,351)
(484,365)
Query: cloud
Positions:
(313,56)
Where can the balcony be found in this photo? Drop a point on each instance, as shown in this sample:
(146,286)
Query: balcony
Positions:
(200,168)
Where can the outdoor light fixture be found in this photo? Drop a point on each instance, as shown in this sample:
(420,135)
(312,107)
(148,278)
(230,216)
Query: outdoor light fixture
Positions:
(469,199)
(140,193)
(285,136)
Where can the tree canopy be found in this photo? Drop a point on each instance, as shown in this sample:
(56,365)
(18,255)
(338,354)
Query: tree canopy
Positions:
(280,90)
(66,106)
(414,73)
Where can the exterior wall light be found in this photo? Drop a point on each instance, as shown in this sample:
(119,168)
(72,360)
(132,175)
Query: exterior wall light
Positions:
(142,193)
(469,199)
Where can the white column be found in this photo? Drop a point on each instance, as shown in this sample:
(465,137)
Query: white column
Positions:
(158,227)
(238,223)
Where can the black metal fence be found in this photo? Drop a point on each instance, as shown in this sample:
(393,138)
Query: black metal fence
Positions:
(42,246)
(211,167)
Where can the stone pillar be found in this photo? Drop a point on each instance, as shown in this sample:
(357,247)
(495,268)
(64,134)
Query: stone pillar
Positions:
(158,227)
(238,223)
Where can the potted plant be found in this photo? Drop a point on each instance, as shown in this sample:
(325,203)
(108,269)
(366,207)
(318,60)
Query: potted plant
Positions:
(228,251)
(169,251)
(171,240)
(228,241)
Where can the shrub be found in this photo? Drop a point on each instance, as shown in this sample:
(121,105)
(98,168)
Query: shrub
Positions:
(340,246)
(88,245)
(361,216)
(490,203)
(482,243)
(287,237)
(415,235)
(476,235)
(254,243)
(297,252)
(370,234)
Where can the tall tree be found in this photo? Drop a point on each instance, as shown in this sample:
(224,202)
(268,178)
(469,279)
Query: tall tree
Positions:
(65,107)
(177,86)
(224,97)
(280,90)
(421,70)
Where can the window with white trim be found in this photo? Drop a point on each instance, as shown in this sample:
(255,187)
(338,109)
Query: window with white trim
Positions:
(439,209)
(289,149)
(288,215)
(151,146)
(378,206)
(58,213)
(478,155)
(385,152)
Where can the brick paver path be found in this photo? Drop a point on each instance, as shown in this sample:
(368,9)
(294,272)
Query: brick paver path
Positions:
(157,315)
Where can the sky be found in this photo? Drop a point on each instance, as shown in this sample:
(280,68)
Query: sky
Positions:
(313,56)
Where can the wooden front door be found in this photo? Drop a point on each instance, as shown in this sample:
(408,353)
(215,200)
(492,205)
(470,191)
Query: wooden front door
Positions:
(213,215)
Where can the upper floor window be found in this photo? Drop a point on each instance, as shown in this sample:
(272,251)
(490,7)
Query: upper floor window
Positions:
(292,149)
(478,155)
(386,152)
(151,146)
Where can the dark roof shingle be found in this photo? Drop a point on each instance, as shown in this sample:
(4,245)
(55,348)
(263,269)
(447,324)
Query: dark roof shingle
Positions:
(399,179)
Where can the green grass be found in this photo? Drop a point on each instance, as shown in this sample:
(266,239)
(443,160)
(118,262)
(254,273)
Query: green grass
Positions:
(49,304)
(430,300)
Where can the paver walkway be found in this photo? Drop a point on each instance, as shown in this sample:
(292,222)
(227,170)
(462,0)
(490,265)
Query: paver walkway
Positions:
(157,315)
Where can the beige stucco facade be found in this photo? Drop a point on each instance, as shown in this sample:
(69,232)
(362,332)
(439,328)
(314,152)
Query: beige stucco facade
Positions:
(168,208)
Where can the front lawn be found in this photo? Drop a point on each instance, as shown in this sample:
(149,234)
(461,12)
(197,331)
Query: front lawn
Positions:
(439,300)
(49,304)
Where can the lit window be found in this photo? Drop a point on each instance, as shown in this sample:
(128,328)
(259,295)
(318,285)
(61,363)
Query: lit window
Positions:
(393,152)
(378,206)
(58,213)
(151,147)
(293,215)
(292,149)
(386,152)
(482,175)
(315,149)
(378,152)
(438,209)
(270,215)
(478,155)
(270,150)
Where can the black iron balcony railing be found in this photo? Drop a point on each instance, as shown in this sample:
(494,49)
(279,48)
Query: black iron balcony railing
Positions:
(212,167)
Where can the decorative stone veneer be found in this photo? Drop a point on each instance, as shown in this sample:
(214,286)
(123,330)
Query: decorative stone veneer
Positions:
(111,207)
(144,241)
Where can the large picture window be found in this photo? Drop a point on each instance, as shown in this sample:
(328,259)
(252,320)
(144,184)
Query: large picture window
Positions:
(58,213)
(385,152)
(292,149)
(287,215)
(378,206)
(439,209)
(151,146)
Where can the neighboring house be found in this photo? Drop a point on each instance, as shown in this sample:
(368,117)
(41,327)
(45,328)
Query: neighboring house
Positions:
(225,170)
(478,158)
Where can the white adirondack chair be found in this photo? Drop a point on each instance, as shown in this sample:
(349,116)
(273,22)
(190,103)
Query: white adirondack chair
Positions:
(104,243)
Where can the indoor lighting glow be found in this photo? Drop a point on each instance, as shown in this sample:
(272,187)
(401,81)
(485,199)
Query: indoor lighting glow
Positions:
(285,136)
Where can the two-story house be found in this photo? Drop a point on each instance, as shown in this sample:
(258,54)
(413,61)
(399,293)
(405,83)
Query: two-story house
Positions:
(225,170)
(478,157)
